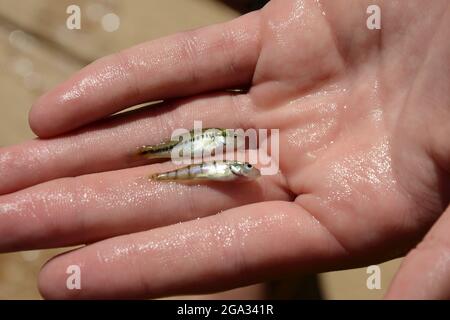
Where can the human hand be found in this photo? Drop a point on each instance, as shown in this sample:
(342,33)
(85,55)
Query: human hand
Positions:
(364,157)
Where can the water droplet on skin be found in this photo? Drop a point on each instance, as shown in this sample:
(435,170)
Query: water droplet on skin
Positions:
(371,167)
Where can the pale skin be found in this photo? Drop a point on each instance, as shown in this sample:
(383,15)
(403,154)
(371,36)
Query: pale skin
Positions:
(364,156)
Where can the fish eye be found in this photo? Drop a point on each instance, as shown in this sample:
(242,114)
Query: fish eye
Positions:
(248,166)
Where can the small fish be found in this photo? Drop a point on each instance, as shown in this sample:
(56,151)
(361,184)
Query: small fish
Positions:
(207,142)
(213,171)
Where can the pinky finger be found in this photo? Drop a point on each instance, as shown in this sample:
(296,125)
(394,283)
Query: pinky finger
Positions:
(235,248)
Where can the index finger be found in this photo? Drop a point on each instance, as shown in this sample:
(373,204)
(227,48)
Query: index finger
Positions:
(209,58)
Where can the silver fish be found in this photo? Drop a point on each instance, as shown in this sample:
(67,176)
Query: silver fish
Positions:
(213,171)
(208,141)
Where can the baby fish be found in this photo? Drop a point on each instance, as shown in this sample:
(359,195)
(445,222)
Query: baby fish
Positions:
(208,141)
(212,171)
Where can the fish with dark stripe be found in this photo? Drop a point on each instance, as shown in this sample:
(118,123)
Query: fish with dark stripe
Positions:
(213,171)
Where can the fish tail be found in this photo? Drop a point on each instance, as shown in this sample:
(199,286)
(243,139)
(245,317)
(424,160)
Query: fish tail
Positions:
(159,177)
(180,174)
(155,152)
(167,176)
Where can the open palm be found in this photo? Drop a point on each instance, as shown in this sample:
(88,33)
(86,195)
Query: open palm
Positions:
(364,156)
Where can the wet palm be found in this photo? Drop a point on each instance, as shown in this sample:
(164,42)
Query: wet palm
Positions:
(355,150)
(362,157)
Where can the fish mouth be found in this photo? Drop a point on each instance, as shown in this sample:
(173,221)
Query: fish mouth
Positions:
(251,176)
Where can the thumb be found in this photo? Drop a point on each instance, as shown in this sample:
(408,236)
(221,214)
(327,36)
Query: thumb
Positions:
(425,272)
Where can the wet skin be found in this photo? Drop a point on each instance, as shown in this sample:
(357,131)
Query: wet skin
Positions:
(364,156)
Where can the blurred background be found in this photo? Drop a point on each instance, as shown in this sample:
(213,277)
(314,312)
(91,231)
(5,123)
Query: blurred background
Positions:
(37,51)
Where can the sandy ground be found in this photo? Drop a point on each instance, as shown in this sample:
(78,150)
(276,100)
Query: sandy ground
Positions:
(37,51)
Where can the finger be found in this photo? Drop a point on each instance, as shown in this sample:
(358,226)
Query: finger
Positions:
(89,208)
(112,144)
(425,272)
(237,247)
(214,57)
